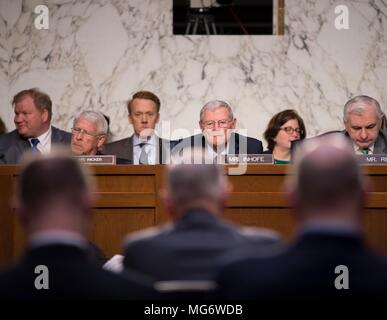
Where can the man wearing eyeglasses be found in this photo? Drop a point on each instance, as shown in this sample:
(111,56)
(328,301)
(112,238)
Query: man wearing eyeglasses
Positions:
(34,132)
(89,133)
(218,140)
(144,146)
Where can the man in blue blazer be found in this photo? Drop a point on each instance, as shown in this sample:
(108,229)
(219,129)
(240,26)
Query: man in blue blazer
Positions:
(33,113)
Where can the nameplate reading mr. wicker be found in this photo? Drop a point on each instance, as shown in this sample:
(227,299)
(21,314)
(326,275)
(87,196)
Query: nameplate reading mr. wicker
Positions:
(98,159)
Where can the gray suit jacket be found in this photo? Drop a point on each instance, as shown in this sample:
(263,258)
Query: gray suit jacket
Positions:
(12,145)
(193,248)
(123,150)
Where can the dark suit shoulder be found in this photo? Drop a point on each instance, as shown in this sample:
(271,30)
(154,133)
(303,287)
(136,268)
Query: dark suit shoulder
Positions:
(60,136)
(254,146)
(148,234)
(121,142)
(8,139)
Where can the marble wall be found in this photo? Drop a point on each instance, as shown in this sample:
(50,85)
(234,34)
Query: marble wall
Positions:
(96,53)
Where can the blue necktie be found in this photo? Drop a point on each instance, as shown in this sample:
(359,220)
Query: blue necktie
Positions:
(34,148)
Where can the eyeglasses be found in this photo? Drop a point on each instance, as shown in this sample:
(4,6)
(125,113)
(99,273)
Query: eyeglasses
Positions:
(78,131)
(211,124)
(290,130)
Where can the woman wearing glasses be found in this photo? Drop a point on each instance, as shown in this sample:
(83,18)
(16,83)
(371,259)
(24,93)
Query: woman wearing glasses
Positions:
(285,127)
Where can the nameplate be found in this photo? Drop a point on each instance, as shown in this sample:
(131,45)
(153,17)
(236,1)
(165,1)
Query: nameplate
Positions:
(250,158)
(98,159)
(380,159)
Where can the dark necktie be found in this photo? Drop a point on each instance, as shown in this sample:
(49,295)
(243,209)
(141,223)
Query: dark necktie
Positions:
(143,156)
(34,143)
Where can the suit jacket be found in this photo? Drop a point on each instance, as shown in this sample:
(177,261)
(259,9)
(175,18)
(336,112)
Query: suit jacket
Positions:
(193,248)
(123,150)
(72,274)
(238,144)
(306,270)
(13,145)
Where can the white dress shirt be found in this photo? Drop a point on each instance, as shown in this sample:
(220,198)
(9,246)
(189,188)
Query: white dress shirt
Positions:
(358,149)
(212,154)
(44,145)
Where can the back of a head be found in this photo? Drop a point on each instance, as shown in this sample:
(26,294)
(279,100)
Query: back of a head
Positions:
(327,173)
(48,179)
(188,183)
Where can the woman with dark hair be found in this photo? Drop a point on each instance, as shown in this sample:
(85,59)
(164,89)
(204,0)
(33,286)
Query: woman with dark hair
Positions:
(285,127)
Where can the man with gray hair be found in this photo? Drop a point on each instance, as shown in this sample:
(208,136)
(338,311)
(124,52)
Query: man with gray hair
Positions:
(329,258)
(363,118)
(218,139)
(89,133)
(197,241)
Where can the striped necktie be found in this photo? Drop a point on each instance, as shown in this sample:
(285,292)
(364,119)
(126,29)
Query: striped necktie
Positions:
(143,156)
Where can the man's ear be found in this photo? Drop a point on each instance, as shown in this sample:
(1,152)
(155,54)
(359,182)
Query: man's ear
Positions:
(168,204)
(158,117)
(20,211)
(201,126)
(101,141)
(228,188)
(233,123)
(45,115)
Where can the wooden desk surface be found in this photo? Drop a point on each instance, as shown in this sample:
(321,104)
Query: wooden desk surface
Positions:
(128,200)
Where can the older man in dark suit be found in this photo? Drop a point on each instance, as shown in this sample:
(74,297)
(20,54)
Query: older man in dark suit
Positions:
(329,259)
(218,138)
(33,112)
(363,119)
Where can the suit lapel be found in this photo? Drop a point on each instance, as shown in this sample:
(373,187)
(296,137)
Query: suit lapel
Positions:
(380,145)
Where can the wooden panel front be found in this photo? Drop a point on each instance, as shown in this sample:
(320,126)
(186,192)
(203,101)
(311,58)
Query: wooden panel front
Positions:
(111,226)
(128,200)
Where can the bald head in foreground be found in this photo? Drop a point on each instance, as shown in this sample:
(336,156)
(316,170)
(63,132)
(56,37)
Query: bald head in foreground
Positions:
(329,259)
(54,204)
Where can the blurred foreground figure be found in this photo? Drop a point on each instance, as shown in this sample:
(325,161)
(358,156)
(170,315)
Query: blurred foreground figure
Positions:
(329,259)
(198,240)
(54,204)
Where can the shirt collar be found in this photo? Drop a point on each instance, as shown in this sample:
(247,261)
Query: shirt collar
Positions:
(44,138)
(211,152)
(358,149)
(57,237)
